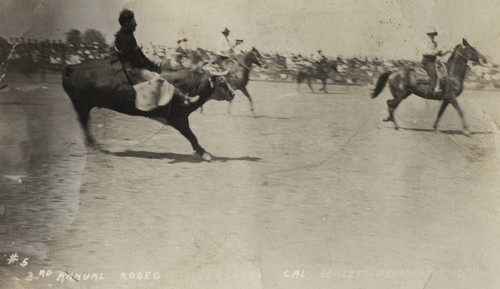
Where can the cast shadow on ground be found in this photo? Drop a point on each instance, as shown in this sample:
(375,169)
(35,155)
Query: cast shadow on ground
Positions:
(330,92)
(260,116)
(447,131)
(256,116)
(176,158)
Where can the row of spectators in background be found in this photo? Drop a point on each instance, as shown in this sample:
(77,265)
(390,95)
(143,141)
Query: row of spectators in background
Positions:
(31,56)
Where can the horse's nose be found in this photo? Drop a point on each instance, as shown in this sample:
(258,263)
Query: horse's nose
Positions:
(483,60)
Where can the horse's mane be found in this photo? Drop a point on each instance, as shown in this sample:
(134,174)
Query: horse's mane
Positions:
(452,57)
(246,56)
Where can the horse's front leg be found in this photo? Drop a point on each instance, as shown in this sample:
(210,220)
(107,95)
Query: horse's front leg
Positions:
(454,102)
(182,125)
(440,113)
(324,85)
(245,92)
(309,83)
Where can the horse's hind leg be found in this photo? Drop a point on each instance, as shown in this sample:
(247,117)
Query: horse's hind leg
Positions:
(392,104)
(309,83)
(84,116)
(299,80)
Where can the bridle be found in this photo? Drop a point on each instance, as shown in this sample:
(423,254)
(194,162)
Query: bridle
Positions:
(466,58)
(244,66)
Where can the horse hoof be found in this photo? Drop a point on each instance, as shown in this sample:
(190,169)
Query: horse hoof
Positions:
(207,157)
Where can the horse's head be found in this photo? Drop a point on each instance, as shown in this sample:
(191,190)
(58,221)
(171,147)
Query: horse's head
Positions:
(254,57)
(470,53)
(222,90)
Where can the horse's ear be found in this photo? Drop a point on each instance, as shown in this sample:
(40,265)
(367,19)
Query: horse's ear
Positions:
(464,42)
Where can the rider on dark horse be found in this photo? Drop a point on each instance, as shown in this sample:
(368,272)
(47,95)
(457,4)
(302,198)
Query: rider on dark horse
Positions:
(181,51)
(138,68)
(430,54)
(225,50)
(322,58)
(126,45)
(181,46)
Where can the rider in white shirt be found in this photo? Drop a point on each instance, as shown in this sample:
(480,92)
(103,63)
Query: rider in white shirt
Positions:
(225,46)
(429,56)
(224,50)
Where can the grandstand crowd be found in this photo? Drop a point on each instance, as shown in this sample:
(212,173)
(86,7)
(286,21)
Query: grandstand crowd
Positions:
(35,56)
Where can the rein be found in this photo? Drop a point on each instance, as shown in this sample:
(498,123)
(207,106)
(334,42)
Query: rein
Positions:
(248,68)
(466,58)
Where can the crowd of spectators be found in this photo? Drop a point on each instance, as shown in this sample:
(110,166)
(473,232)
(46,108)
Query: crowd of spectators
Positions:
(34,56)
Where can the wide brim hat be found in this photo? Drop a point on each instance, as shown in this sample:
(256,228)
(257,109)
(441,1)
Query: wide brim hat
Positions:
(431,31)
(226,31)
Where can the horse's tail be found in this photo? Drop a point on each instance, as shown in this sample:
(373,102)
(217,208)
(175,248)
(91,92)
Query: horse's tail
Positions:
(382,80)
(66,71)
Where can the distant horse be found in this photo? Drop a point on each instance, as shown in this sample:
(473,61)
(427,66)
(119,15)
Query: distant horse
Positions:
(319,71)
(96,83)
(239,71)
(404,82)
(5,52)
(189,60)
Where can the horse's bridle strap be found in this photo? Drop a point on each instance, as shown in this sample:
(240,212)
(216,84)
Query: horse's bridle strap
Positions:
(463,55)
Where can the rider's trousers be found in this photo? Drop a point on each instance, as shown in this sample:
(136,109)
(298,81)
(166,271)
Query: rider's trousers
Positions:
(429,63)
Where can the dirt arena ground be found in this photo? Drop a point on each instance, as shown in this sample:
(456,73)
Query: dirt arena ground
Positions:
(316,191)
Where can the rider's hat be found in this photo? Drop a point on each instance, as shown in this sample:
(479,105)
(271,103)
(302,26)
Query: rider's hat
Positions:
(125,16)
(179,41)
(319,51)
(432,32)
(226,31)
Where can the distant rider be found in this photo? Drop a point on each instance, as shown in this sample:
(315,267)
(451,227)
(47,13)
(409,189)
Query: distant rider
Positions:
(225,50)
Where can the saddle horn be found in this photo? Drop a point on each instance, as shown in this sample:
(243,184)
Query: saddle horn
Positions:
(215,73)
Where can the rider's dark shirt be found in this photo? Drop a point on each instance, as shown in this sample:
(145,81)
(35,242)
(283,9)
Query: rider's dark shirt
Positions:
(129,51)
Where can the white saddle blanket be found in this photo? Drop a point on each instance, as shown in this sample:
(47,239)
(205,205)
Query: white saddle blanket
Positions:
(153,93)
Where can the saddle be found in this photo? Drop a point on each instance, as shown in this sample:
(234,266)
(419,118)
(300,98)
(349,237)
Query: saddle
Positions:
(422,77)
(151,90)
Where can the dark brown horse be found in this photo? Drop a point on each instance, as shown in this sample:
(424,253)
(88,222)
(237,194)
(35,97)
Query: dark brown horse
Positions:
(320,71)
(404,82)
(239,71)
(96,83)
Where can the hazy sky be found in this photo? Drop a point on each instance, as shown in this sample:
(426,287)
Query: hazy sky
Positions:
(384,28)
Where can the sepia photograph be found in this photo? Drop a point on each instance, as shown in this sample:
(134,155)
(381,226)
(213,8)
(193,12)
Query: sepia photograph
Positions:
(249,144)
